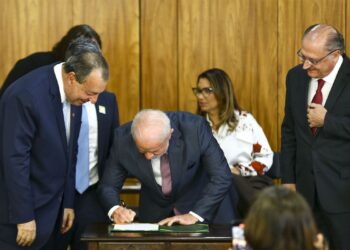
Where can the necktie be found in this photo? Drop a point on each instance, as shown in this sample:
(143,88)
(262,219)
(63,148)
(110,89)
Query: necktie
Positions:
(317,99)
(82,170)
(166,174)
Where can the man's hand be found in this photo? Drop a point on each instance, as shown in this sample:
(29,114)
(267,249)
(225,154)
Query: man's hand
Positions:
(26,233)
(315,115)
(290,186)
(68,218)
(123,215)
(183,219)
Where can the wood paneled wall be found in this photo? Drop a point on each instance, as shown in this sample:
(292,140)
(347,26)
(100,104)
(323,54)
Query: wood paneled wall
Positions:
(156,48)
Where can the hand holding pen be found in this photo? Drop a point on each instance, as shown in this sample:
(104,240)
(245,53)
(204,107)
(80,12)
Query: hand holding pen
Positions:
(123,214)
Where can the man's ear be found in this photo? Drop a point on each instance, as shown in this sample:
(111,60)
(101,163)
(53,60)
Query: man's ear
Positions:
(71,77)
(171,133)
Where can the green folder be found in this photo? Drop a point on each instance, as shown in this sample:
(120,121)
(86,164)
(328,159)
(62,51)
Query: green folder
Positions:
(195,228)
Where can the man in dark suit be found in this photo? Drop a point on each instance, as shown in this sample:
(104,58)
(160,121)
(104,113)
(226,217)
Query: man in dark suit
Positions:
(38,135)
(182,170)
(102,119)
(315,157)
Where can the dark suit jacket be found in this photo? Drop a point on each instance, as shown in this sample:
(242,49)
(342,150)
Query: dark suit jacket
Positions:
(25,65)
(87,206)
(199,171)
(88,209)
(320,162)
(37,165)
(107,121)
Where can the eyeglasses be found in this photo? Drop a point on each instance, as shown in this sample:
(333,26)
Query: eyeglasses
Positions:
(204,91)
(313,61)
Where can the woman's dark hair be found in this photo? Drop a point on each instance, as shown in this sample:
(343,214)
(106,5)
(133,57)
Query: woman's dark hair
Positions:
(82,30)
(225,95)
(280,219)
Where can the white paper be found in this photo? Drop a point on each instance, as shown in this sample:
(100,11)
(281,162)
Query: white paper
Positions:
(136,227)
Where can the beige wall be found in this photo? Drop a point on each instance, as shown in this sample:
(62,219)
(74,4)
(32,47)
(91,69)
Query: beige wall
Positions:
(156,48)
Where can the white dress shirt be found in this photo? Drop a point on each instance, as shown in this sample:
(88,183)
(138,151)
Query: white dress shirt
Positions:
(155,162)
(65,104)
(93,148)
(329,80)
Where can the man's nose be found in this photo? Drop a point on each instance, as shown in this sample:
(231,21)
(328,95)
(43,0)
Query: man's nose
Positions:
(306,64)
(93,99)
(149,155)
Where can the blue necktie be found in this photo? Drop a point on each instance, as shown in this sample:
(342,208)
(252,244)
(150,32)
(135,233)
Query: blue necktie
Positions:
(82,170)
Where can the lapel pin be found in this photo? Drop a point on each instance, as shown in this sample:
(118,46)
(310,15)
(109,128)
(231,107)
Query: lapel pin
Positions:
(102,109)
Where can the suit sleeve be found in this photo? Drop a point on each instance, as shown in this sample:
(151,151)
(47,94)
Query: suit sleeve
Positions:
(116,112)
(337,126)
(112,179)
(19,129)
(288,148)
(215,164)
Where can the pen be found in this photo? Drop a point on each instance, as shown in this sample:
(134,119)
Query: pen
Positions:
(123,204)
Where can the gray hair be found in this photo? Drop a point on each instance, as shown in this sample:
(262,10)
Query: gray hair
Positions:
(82,57)
(335,39)
(151,119)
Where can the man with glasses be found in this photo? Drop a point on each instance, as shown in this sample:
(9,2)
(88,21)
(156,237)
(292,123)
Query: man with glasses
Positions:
(315,154)
(183,171)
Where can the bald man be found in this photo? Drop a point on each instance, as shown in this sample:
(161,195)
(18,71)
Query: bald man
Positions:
(190,189)
(315,157)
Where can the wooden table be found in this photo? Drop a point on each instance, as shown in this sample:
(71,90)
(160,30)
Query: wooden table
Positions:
(100,238)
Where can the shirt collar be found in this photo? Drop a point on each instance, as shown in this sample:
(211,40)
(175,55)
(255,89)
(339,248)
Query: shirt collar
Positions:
(222,131)
(331,76)
(58,73)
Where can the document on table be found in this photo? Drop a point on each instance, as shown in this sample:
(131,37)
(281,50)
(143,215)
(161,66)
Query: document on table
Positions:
(149,227)
(136,227)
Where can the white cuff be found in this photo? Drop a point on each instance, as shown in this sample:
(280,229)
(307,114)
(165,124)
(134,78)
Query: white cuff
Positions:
(197,216)
(111,211)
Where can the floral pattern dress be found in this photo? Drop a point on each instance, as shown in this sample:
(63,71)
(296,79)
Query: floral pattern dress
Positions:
(246,147)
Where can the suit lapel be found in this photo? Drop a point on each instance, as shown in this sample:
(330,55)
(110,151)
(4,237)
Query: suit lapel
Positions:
(343,77)
(100,126)
(75,123)
(58,109)
(303,91)
(103,129)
